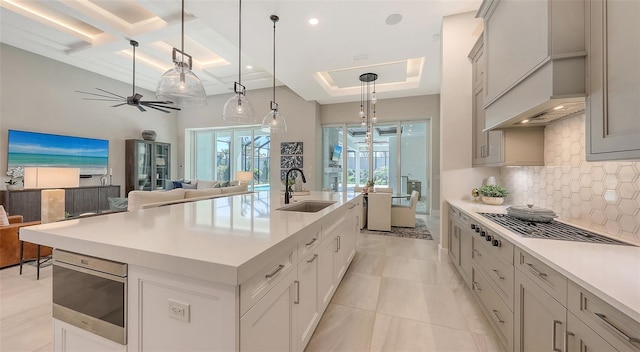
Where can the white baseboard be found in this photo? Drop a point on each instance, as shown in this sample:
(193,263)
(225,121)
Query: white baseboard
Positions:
(443,254)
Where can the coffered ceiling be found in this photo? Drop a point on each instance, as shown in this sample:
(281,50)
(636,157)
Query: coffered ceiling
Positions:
(320,62)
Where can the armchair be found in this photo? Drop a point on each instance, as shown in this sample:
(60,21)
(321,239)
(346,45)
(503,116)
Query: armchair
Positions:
(405,215)
(10,243)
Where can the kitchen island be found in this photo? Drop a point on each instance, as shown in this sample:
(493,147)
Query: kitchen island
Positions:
(238,272)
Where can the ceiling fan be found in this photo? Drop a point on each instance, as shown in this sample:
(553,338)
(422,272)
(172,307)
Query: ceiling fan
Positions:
(134,99)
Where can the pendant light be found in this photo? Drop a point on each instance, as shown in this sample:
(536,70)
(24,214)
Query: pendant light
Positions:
(368,102)
(274,122)
(238,108)
(180,84)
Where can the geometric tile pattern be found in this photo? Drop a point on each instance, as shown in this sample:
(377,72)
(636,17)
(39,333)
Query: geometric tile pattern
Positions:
(603,196)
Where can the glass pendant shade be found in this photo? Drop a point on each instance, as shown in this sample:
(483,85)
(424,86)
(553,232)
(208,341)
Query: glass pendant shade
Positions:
(181,86)
(238,109)
(274,122)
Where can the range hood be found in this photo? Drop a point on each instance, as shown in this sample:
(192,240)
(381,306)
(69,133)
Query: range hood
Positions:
(545,113)
(552,91)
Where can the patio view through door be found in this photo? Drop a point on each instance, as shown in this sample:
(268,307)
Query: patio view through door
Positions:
(399,153)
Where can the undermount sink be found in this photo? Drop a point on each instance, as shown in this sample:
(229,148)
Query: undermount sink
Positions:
(307,206)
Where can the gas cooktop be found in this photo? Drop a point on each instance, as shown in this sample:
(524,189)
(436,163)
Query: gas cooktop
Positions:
(552,230)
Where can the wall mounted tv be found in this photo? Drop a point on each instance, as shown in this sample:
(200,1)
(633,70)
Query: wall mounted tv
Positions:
(35,149)
(337,152)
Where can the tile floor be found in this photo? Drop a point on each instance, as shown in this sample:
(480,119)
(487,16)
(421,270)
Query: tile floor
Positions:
(396,296)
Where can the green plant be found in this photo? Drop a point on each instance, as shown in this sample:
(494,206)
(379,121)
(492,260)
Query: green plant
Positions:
(370,183)
(493,191)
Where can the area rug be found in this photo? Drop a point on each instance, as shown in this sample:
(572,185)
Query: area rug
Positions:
(419,232)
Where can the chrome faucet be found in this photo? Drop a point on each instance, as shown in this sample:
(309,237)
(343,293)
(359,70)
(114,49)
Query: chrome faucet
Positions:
(287,188)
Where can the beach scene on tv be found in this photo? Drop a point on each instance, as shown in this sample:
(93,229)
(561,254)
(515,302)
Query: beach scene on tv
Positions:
(33,149)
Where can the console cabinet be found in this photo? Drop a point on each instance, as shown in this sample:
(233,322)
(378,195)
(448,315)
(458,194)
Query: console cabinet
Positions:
(90,199)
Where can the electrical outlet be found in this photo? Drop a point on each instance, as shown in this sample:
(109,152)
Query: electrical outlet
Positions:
(179,310)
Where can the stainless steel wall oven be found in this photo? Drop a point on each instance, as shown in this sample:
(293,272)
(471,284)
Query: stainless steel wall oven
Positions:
(91,293)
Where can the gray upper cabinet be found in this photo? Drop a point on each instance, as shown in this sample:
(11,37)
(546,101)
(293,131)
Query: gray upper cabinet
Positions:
(613,103)
(535,60)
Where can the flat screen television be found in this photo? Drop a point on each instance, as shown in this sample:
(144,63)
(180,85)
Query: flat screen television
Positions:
(337,152)
(33,149)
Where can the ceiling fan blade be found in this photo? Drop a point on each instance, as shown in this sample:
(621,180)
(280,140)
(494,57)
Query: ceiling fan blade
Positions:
(153,107)
(115,106)
(159,102)
(119,96)
(150,104)
(140,108)
(97,95)
(101,99)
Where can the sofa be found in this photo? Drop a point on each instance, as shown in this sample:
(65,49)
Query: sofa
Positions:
(208,189)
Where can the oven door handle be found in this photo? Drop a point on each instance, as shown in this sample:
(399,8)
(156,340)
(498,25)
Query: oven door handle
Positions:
(90,272)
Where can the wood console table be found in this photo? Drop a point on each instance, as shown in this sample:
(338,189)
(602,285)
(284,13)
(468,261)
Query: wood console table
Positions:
(77,200)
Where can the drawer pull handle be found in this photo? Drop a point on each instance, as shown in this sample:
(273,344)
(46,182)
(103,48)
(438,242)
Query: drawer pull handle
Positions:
(297,300)
(337,244)
(312,241)
(615,328)
(498,274)
(353,206)
(478,254)
(554,334)
(476,286)
(273,273)
(315,256)
(495,313)
(536,270)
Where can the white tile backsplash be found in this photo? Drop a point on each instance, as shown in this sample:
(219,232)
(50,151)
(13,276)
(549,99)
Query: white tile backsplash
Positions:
(603,196)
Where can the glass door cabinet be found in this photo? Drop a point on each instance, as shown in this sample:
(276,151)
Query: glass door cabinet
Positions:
(147,165)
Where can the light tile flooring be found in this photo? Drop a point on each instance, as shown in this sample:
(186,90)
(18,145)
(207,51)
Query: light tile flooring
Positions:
(396,296)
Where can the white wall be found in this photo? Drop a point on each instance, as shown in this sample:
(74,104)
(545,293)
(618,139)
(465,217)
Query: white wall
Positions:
(459,34)
(300,115)
(38,94)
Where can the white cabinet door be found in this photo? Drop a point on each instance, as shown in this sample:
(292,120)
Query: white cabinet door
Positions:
(613,101)
(271,323)
(326,283)
(307,304)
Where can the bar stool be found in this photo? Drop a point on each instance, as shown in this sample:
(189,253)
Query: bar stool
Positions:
(38,257)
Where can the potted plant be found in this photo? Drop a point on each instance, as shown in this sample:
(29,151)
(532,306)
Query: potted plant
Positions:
(16,174)
(493,194)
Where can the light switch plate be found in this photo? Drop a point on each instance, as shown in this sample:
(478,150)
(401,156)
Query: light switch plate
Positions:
(179,310)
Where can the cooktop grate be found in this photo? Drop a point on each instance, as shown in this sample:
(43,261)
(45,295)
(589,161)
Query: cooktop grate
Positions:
(552,230)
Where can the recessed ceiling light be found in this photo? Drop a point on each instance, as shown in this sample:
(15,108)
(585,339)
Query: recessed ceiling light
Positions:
(559,107)
(314,21)
(524,121)
(249,67)
(394,19)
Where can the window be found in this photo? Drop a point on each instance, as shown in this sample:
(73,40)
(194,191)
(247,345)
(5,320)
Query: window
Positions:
(218,153)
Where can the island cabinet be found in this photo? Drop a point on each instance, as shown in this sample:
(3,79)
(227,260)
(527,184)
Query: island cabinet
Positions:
(613,107)
(275,309)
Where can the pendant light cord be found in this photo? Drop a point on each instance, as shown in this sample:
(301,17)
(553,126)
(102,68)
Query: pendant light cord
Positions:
(182,37)
(240,43)
(274,19)
(133,44)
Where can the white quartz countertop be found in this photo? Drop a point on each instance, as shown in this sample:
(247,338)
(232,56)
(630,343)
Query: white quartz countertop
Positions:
(224,239)
(611,272)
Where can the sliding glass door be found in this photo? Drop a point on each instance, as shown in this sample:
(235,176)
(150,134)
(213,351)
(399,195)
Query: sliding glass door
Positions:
(397,158)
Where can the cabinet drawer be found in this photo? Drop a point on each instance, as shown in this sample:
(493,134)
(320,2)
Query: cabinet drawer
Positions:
(259,284)
(309,241)
(615,327)
(548,279)
(498,271)
(496,310)
(495,243)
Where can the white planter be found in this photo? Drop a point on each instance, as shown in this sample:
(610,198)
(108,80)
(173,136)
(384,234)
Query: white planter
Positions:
(492,200)
(14,187)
